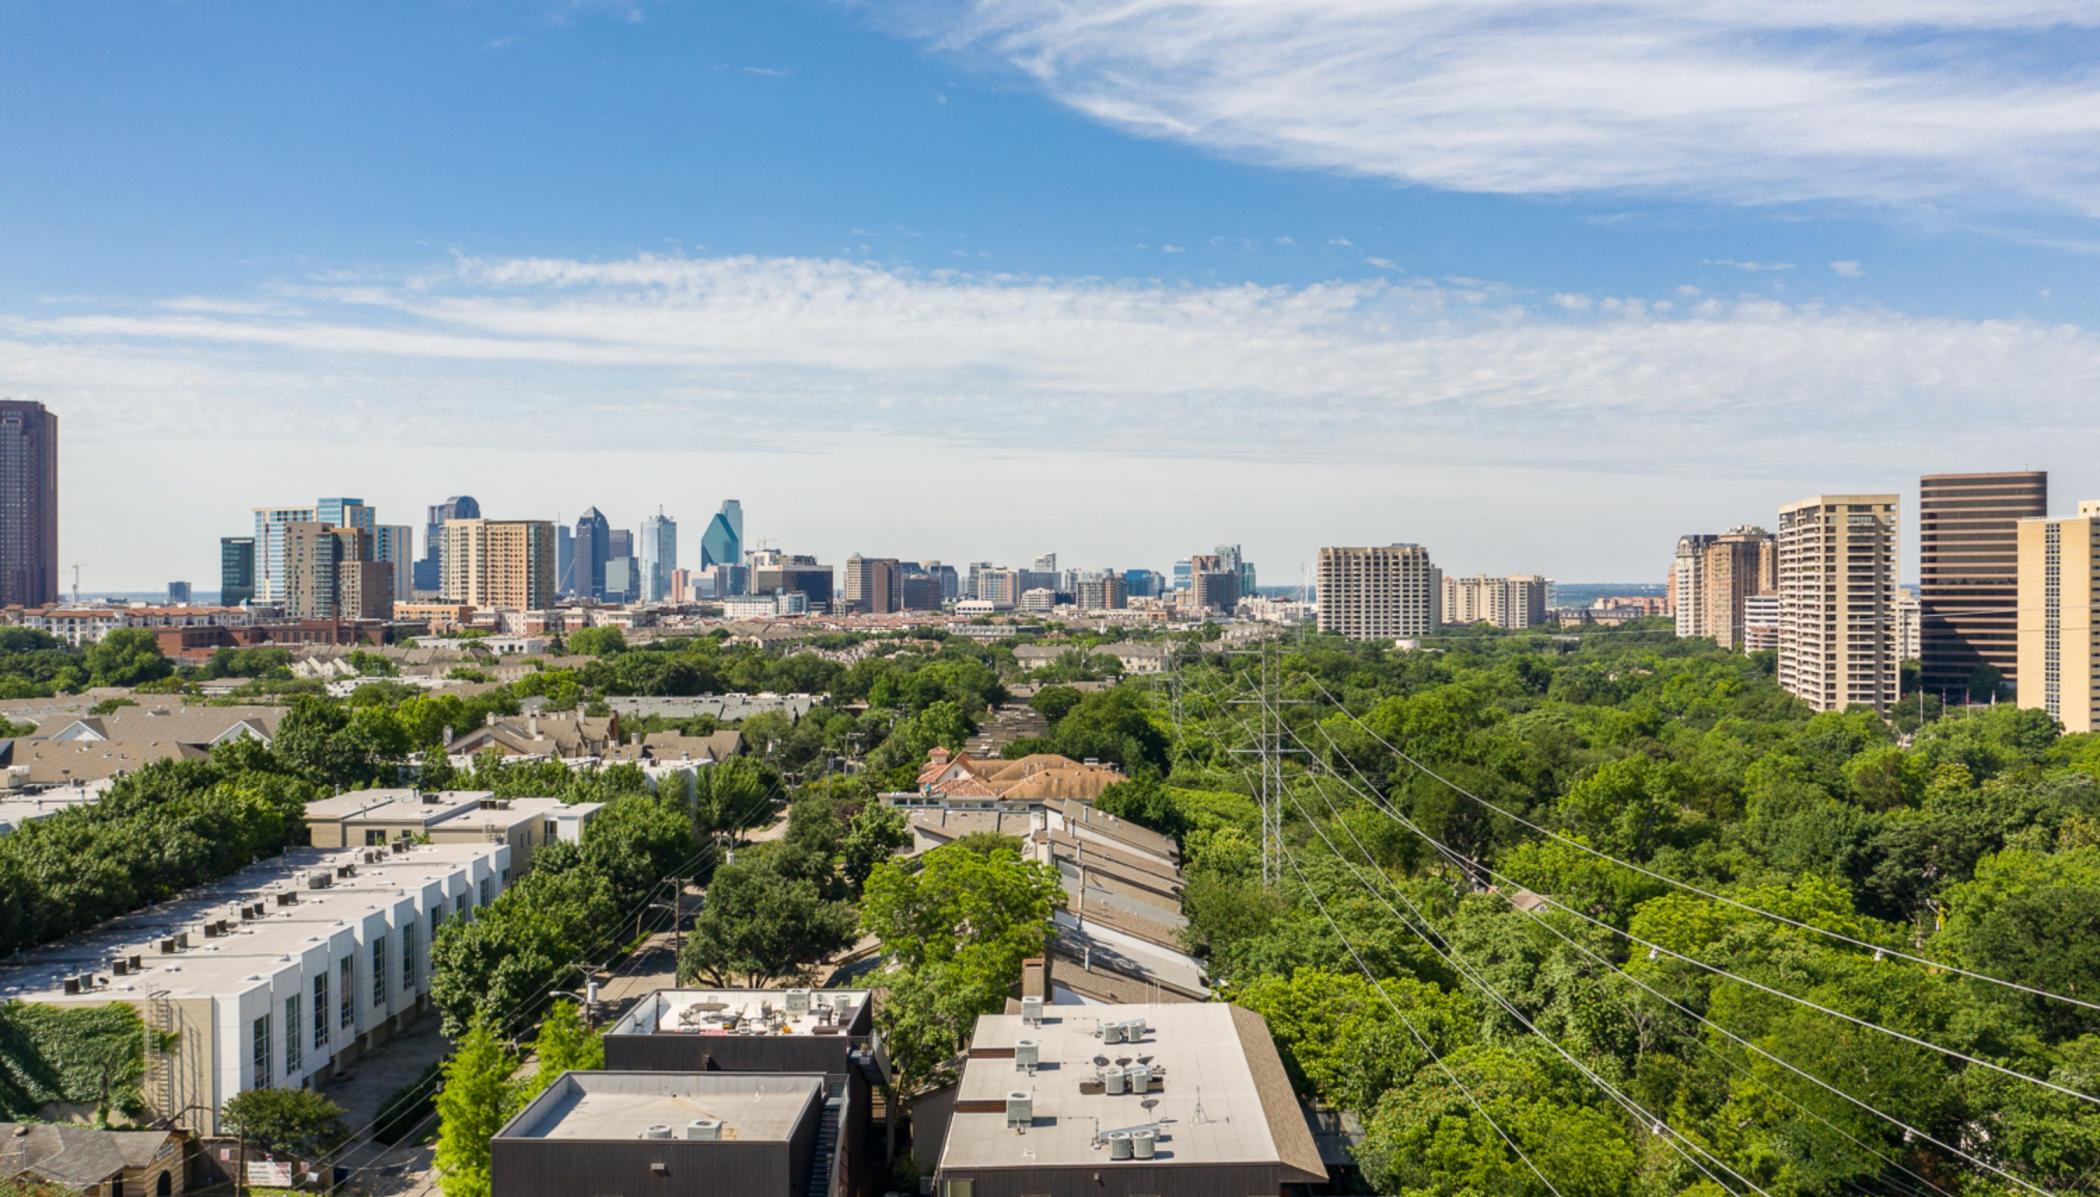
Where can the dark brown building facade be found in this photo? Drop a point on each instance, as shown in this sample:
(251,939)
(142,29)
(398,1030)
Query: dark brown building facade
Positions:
(1968,564)
(28,504)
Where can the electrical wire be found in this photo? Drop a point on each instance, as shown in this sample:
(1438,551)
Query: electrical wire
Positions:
(1474,869)
(1878,949)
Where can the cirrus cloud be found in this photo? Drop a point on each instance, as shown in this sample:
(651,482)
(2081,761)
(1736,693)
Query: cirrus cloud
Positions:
(1904,103)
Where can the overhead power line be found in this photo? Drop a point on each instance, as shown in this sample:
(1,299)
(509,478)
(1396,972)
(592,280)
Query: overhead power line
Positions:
(1688,887)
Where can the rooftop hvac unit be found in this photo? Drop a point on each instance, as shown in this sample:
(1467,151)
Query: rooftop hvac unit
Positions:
(346,870)
(798,1001)
(289,897)
(1032,1011)
(1027,1054)
(1143,1143)
(72,984)
(1140,1077)
(1111,1032)
(215,930)
(120,966)
(399,846)
(708,1129)
(1119,1145)
(247,913)
(167,946)
(321,880)
(1113,1082)
(842,1009)
(182,941)
(1020,1109)
(656,1131)
(138,963)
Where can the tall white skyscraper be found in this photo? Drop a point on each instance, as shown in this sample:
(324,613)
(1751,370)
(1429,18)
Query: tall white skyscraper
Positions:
(658,556)
(1380,592)
(1838,631)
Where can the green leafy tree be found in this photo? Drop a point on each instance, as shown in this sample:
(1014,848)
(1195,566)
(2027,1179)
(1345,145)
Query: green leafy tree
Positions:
(597,642)
(295,1122)
(955,925)
(126,657)
(762,923)
(876,833)
(471,1108)
(564,1044)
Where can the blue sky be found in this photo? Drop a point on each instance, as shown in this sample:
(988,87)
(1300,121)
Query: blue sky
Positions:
(1286,272)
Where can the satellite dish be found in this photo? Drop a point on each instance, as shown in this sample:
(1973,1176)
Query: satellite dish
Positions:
(1124,1060)
(1149,1102)
(1100,1061)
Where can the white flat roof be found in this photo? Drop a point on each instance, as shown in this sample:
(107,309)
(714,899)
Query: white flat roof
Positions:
(718,1011)
(763,1107)
(1207,1106)
(213,966)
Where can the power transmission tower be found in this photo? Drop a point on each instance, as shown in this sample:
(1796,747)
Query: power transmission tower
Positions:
(1269,751)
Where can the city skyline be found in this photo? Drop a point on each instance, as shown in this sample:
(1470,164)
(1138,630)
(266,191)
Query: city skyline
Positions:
(789,235)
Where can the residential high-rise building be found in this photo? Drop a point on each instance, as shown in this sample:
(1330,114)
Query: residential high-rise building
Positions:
(658,556)
(430,570)
(999,587)
(270,523)
(1968,577)
(236,570)
(28,503)
(395,544)
(593,549)
(2057,632)
(1045,563)
(1517,601)
(1910,626)
(1101,590)
(178,594)
(329,573)
(1761,622)
(1714,574)
(1379,592)
(975,571)
(1837,601)
(873,585)
(722,542)
(505,564)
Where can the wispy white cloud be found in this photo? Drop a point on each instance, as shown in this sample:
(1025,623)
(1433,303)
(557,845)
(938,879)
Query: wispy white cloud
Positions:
(1377,263)
(1847,269)
(766,72)
(1750,267)
(1884,102)
(583,354)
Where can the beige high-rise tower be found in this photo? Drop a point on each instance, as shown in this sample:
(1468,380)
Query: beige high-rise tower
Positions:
(1837,601)
(506,564)
(1381,592)
(1714,575)
(2058,638)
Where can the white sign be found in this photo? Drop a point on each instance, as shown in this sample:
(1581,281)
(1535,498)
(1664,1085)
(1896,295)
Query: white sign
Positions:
(270,1174)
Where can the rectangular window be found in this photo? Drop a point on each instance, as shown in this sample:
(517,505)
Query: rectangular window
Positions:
(488,890)
(320,1011)
(348,985)
(408,959)
(291,1036)
(379,975)
(259,1047)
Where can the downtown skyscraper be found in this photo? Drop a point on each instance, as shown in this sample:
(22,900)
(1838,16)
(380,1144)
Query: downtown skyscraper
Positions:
(1968,577)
